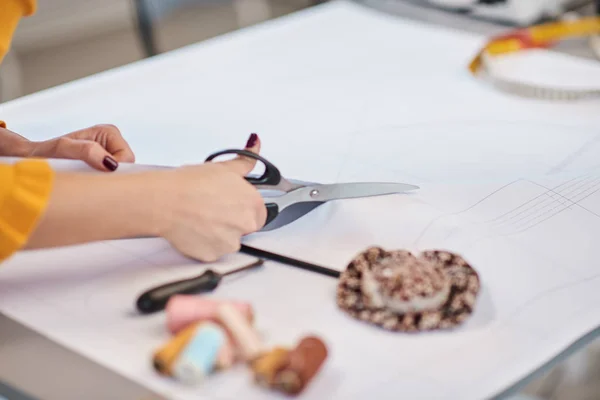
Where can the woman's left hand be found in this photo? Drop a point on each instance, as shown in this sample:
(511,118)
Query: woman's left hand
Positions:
(101,146)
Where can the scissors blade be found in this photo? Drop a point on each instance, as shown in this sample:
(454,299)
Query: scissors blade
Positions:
(338,191)
(321,193)
(299,202)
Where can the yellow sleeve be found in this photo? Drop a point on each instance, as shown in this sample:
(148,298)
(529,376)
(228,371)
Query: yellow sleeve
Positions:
(25,189)
(11,12)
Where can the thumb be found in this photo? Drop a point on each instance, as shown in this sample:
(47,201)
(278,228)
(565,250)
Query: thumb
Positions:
(244,165)
(92,153)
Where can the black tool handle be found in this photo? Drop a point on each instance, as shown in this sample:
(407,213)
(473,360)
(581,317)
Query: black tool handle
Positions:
(272,212)
(271,176)
(156,299)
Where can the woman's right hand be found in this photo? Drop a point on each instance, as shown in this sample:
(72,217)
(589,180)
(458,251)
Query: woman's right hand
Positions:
(211,206)
(202,210)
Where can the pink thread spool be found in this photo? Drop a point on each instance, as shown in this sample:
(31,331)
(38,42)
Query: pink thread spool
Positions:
(183,310)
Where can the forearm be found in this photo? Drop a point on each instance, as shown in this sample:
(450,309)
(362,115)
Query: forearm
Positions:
(92,207)
(12,144)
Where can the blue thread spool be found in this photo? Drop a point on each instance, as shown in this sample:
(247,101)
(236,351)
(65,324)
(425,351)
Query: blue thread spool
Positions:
(198,358)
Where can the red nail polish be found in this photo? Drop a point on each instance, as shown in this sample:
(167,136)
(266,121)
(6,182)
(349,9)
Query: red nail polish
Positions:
(110,163)
(252,140)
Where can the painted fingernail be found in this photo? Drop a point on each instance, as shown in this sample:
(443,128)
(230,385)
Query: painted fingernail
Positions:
(252,140)
(110,163)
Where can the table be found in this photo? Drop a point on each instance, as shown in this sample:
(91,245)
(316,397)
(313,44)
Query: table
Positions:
(85,377)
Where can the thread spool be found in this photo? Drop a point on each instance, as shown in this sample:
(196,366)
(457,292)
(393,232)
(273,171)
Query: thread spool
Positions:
(226,355)
(165,356)
(301,366)
(266,366)
(182,310)
(246,338)
(199,357)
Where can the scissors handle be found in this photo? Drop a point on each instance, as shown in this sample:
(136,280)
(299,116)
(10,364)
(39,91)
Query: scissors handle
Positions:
(272,212)
(271,176)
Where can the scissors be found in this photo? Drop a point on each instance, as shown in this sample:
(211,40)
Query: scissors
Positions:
(299,198)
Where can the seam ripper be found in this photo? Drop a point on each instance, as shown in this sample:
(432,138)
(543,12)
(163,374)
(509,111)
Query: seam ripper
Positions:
(156,299)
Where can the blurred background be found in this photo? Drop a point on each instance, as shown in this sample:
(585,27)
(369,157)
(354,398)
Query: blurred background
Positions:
(71,39)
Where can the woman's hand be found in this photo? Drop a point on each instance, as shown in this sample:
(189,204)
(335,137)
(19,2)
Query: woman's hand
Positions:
(212,207)
(202,210)
(101,146)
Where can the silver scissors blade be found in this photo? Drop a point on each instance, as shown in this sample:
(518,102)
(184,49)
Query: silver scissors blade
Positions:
(322,193)
(300,202)
(339,191)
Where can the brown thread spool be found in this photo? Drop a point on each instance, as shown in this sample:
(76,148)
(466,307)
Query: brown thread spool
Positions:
(266,367)
(301,366)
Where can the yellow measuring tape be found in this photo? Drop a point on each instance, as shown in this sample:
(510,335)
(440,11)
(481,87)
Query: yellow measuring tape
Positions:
(537,36)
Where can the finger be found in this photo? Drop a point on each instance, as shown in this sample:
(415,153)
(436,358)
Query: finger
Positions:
(110,137)
(259,219)
(253,143)
(92,153)
(222,241)
(262,215)
(244,165)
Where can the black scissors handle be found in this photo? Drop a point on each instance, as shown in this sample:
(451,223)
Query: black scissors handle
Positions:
(272,212)
(271,176)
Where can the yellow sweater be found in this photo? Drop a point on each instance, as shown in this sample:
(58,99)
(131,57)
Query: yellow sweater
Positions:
(25,186)
(11,12)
